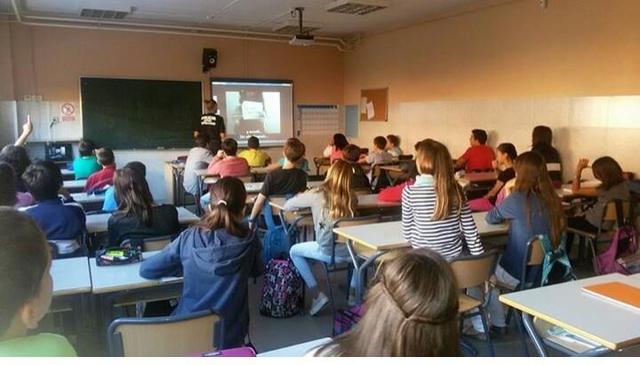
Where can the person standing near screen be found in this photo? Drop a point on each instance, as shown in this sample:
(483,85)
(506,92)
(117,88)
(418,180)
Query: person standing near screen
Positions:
(212,125)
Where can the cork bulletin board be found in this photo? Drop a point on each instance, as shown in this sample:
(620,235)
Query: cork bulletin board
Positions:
(374,105)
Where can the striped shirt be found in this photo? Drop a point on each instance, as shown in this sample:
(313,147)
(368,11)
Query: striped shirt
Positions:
(447,236)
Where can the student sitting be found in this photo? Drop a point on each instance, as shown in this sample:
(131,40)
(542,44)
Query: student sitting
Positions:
(393,145)
(226,163)
(87,163)
(331,201)
(407,314)
(110,204)
(61,220)
(199,156)
(18,158)
(478,157)
(216,259)
(287,180)
(613,187)
(103,178)
(334,150)
(137,216)
(379,154)
(541,142)
(435,214)
(533,208)
(360,180)
(506,156)
(9,196)
(26,287)
(254,156)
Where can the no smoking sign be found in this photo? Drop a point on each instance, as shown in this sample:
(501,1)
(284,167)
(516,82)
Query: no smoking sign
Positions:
(68,112)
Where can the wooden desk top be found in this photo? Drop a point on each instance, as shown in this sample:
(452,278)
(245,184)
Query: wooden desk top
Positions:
(478,177)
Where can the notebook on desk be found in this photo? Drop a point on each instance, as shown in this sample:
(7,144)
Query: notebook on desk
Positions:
(616,292)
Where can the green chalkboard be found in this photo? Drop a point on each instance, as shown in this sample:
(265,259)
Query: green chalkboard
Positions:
(140,114)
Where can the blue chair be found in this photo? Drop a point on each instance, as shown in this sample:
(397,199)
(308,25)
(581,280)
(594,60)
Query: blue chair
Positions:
(165,336)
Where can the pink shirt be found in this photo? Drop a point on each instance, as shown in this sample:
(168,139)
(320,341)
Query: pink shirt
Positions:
(234,167)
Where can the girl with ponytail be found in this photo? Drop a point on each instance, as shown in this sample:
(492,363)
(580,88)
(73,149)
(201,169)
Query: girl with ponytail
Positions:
(411,311)
(216,258)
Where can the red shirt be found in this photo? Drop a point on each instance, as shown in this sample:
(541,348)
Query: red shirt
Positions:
(479,158)
(234,167)
(393,194)
(100,179)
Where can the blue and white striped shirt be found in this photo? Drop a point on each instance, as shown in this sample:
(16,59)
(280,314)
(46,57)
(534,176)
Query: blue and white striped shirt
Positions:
(447,236)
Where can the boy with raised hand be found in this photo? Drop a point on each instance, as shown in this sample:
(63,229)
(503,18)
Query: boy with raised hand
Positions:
(27,289)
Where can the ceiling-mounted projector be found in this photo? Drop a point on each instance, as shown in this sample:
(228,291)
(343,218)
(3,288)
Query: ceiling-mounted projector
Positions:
(302,38)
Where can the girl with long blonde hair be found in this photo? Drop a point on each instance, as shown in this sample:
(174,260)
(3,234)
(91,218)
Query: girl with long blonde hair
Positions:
(411,311)
(435,213)
(331,201)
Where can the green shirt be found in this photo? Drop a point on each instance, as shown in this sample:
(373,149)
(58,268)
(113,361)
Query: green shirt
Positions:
(84,166)
(41,345)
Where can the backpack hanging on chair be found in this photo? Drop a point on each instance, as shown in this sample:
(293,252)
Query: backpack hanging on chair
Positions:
(277,239)
(623,244)
(556,267)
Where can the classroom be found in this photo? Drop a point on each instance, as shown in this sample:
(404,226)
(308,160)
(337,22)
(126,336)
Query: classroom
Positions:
(325,178)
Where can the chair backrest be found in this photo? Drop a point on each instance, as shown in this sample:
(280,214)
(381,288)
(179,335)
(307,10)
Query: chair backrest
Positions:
(248,178)
(610,213)
(474,271)
(210,179)
(356,221)
(535,252)
(405,157)
(165,336)
(149,243)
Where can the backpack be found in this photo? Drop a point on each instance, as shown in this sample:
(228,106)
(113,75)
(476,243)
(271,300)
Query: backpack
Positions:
(556,267)
(345,319)
(277,239)
(623,244)
(282,293)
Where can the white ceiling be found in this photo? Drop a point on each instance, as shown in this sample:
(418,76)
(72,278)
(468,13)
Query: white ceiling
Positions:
(256,15)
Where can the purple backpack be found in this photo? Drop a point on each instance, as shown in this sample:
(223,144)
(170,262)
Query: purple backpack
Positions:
(282,290)
(624,243)
(345,319)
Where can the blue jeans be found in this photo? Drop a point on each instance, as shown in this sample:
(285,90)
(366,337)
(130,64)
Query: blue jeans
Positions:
(301,252)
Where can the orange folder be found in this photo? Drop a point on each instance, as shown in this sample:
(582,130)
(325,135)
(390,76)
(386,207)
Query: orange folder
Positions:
(617,292)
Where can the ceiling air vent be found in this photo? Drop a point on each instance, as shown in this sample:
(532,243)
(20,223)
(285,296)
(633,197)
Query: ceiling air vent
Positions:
(105,13)
(356,7)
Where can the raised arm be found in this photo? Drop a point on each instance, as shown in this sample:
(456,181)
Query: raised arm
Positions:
(576,187)
(27,129)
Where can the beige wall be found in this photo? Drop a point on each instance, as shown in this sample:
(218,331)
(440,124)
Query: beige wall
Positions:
(507,68)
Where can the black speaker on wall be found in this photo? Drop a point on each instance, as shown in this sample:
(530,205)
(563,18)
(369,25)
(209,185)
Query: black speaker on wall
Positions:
(209,59)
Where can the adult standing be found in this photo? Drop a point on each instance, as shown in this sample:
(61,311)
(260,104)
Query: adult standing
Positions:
(212,125)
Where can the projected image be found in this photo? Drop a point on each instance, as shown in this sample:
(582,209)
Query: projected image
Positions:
(252,113)
(263,109)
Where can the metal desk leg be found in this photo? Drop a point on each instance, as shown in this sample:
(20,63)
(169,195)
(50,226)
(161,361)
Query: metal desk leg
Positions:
(527,320)
(198,196)
(359,270)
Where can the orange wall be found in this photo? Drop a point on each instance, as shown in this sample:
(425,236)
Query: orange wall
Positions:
(49,61)
(476,69)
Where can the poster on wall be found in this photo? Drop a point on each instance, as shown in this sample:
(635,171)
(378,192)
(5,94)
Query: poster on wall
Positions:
(68,112)
(374,105)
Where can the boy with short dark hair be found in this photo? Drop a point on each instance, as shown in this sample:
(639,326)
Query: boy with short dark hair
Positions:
(393,145)
(379,154)
(287,180)
(226,163)
(63,222)
(478,157)
(199,157)
(99,180)
(254,156)
(360,181)
(26,286)
(87,163)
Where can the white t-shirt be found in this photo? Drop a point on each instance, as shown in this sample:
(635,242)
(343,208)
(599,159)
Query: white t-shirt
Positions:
(196,154)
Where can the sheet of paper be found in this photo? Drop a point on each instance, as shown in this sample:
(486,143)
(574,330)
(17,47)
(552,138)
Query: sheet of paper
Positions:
(370,110)
(363,103)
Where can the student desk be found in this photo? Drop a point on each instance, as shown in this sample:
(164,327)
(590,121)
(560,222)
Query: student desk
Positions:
(67,174)
(256,187)
(380,238)
(298,350)
(481,177)
(70,276)
(123,285)
(74,186)
(321,161)
(89,201)
(567,306)
(365,201)
(97,223)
